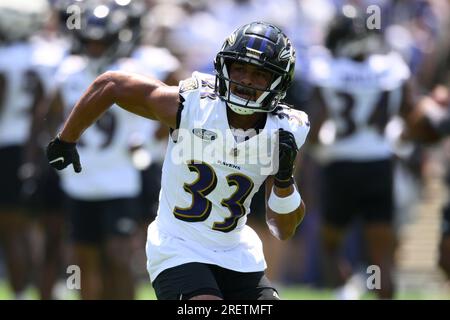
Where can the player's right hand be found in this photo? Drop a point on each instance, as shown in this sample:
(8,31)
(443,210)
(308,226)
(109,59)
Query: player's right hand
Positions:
(60,154)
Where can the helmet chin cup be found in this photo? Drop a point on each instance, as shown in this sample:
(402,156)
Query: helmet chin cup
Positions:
(240,110)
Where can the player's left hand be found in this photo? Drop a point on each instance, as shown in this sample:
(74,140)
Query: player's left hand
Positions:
(287,153)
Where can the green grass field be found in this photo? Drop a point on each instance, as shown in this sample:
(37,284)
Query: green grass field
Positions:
(145,292)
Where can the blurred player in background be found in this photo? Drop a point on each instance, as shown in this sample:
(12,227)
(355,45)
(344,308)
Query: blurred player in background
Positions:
(104,209)
(358,88)
(431,124)
(21,88)
(42,189)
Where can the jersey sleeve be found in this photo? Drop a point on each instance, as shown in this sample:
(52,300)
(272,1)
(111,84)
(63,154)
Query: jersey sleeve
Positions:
(297,122)
(189,91)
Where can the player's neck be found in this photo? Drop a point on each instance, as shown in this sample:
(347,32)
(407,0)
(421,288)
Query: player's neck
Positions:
(256,120)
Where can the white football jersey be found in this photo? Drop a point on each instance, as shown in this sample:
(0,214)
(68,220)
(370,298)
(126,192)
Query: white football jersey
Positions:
(360,98)
(208,181)
(157,61)
(104,148)
(16,70)
(21,64)
(47,56)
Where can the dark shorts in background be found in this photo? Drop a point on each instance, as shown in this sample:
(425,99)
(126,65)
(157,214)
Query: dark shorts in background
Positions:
(44,195)
(53,196)
(92,222)
(10,184)
(192,279)
(357,190)
(39,194)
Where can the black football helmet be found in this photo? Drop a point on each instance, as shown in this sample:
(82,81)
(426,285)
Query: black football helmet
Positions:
(131,32)
(101,22)
(349,36)
(263,45)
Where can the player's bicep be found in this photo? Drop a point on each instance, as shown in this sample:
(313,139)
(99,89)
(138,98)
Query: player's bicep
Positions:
(164,101)
(147,97)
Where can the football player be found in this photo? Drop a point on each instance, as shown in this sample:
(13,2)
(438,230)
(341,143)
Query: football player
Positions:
(199,246)
(103,200)
(20,89)
(358,88)
(41,188)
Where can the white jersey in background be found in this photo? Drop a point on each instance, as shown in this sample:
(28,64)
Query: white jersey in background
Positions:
(104,148)
(49,52)
(204,200)
(157,61)
(359,97)
(161,64)
(21,65)
(18,75)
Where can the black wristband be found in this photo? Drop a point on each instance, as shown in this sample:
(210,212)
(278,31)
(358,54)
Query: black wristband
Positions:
(64,143)
(284,183)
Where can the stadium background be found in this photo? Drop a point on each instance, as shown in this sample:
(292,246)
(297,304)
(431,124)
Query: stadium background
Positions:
(193,31)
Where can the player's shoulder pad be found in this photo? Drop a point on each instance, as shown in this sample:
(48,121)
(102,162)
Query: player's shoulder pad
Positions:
(47,54)
(320,66)
(162,63)
(190,91)
(188,85)
(72,64)
(196,81)
(294,121)
(392,69)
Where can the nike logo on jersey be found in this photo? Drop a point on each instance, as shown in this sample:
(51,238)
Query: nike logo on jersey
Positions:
(57,159)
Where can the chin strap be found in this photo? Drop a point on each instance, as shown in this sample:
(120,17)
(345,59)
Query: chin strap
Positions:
(240,110)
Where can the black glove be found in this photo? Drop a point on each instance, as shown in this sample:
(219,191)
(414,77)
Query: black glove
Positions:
(60,154)
(287,153)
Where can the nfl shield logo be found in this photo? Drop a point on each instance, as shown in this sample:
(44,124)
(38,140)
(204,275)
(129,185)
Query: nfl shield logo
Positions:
(234,152)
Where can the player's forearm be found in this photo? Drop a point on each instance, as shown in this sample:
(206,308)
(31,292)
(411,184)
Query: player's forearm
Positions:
(96,100)
(283,226)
